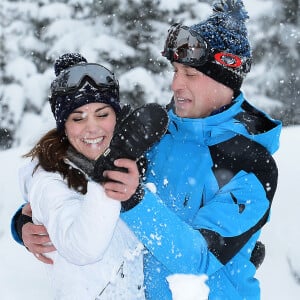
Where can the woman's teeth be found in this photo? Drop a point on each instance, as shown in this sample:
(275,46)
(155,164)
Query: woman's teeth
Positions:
(93,141)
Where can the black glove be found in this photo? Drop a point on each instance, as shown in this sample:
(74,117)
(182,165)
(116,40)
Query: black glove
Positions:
(134,135)
(137,197)
(258,254)
(19,221)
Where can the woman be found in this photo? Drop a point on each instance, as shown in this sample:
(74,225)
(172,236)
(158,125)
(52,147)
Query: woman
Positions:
(96,254)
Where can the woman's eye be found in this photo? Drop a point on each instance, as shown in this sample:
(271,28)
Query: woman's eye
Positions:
(77,119)
(103,115)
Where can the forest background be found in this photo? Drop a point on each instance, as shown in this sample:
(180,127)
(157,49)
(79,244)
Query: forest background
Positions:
(128,36)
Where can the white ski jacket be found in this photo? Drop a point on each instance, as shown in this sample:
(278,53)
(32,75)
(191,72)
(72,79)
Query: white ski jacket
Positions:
(97,256)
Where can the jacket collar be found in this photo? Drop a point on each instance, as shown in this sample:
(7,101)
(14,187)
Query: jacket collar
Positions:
(224,125)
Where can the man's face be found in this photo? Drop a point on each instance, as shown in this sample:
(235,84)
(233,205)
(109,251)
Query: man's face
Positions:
(195,94)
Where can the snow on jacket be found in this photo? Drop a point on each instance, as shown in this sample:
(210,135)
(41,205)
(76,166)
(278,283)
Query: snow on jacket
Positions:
(97,256)
(211,182)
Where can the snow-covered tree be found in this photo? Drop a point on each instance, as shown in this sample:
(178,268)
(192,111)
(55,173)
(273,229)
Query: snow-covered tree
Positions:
(289,50)
(276,52)
(127,36)
(120,34)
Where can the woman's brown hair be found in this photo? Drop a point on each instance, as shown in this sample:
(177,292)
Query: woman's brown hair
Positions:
(51,152)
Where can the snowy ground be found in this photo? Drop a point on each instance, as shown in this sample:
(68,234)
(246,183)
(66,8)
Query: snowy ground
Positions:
(22,277)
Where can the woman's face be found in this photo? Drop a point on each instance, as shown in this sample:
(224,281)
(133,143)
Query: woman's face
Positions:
(90,128)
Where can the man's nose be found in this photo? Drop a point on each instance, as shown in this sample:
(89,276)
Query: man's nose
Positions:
(178,82)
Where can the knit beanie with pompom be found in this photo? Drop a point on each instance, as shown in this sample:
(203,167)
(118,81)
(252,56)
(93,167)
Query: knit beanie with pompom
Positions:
(62,104)
(225,32)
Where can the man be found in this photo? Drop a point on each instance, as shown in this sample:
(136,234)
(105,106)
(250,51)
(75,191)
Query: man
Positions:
(211,179)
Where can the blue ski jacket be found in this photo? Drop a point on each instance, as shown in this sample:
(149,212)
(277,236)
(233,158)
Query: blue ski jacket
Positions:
(208,191)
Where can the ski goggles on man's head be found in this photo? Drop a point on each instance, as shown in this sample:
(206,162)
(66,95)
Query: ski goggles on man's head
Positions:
(183,47)
(71,79)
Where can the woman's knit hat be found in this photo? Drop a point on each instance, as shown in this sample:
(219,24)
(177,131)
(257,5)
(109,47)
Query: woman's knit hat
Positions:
(229,57)
(64,98)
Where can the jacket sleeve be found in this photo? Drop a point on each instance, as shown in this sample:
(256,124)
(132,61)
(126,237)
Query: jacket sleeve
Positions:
(183,247)
(25,175)
(13,228)
(238,211)
(172,241)
(80,226)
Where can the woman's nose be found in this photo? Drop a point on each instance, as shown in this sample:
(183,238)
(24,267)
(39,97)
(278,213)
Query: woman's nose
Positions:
(92,125)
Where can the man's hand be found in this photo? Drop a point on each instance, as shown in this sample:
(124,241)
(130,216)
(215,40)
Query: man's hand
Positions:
(120,185)
(26,210)
(134,134)
(36,238)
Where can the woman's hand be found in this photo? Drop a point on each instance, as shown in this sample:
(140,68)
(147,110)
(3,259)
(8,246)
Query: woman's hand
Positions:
(121,186)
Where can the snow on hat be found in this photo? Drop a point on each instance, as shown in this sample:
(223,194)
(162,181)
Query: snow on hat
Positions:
(67,60)
(62,104)
(225,33)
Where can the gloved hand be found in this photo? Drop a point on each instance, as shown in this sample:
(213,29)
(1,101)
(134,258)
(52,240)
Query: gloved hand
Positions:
(133,136)
(258,254)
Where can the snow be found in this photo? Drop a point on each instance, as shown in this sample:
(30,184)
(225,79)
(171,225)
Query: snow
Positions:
(12,95)
(282,232)
(188,287)
(23,277)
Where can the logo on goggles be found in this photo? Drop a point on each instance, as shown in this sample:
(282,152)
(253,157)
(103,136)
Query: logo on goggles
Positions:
(228,59)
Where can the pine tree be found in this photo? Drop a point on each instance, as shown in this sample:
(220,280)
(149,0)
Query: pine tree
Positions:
(135,24)
(7,120)
(121,34)
(289,51)
(276,52)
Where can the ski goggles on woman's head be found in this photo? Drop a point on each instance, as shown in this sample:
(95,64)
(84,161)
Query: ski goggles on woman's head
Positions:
(71,79)
(182,46)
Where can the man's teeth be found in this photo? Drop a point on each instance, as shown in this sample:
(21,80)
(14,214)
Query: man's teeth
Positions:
(181,100)
(93,141)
